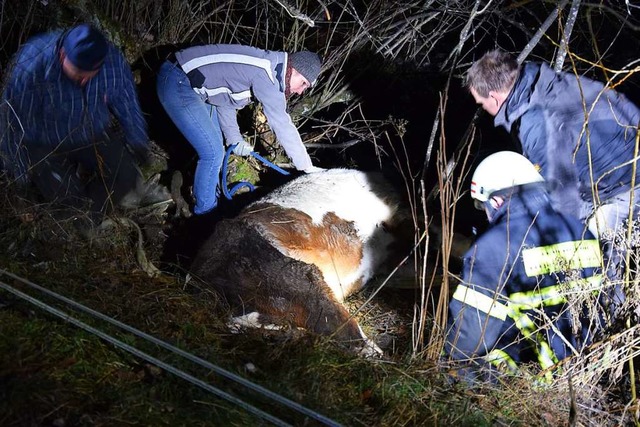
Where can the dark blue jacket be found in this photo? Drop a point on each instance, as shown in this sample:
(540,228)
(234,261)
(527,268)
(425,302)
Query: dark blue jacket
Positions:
(531,261)
(546,112)
(41,107)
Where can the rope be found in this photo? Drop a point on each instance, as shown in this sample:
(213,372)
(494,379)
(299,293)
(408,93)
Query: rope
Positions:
(229,193)
(195,359)
(268,163)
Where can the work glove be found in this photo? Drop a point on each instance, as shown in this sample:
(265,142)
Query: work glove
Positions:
(313,169)
(242,148)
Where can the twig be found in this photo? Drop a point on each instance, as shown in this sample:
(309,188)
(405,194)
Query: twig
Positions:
(573,407)
(632,379)
(146,265)
(346,144)
(543,29)
(295,13)
(432,138)
(451,164)
(566,35)
(464,34)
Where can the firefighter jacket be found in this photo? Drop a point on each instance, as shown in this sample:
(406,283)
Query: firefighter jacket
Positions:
(513,303)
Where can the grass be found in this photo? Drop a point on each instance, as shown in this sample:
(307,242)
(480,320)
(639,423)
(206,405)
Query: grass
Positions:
(56,374)
(53,373)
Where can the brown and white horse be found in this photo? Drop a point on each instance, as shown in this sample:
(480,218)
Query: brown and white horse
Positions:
(294,255)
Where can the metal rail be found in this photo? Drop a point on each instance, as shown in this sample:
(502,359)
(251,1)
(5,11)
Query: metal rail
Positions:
(195,359)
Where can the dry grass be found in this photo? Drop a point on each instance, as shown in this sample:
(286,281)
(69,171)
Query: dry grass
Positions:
(75,378)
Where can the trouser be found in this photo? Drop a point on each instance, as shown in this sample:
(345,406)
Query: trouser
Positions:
(198,122)
(96,176)
(609,223)
(612,214)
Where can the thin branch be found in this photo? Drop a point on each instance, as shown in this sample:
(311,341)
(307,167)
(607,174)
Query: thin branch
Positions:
(295,13)
(464,34)
(543,29)
(566,35)
(345,144)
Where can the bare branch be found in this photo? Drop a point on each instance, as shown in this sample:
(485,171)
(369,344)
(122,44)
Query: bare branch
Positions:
(464,34)
(345,144)
(562,53)
(543,29)
(295,13)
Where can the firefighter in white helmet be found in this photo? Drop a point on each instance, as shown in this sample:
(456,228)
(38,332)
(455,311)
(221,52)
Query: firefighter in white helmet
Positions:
(512,305)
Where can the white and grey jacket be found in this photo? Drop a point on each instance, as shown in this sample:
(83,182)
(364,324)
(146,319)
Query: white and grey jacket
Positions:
(227,76)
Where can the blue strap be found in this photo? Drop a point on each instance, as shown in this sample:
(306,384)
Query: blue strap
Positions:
(229,193)
(268,163)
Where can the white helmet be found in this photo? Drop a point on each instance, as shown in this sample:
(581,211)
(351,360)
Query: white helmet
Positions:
(502,170)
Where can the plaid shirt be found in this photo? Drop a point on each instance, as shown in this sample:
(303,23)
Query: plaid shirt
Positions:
(42,107)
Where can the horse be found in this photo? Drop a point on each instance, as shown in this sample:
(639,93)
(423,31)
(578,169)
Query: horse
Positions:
(294,255)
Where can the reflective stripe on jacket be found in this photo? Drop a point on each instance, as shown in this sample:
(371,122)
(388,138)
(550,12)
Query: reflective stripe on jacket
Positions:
(518,282)
(227,76)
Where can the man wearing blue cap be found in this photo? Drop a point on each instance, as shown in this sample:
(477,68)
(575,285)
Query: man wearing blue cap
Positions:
(203,87)
(57,107)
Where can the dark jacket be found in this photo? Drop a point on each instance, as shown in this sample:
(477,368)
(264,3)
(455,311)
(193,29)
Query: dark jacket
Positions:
(42,108)
(546,112)
(513,274)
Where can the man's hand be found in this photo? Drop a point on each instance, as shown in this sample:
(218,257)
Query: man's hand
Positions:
(313,169)
(243,149)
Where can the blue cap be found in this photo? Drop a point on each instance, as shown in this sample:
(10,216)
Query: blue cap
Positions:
(85,47)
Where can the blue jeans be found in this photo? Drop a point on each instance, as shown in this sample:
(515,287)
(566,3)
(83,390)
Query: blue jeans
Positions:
(198,122)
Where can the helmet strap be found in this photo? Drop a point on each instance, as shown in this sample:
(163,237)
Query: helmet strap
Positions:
(492,205)
(495,202)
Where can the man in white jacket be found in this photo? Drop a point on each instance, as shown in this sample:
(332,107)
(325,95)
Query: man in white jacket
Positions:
(202,87)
